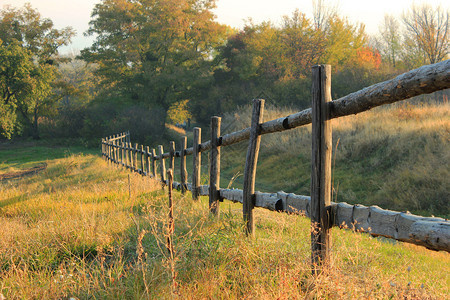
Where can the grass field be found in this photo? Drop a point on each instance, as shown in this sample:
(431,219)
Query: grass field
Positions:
(83,229)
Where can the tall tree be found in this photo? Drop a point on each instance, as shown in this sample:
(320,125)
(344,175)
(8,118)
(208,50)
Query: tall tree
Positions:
(28,47)
(428,29)
(390,40)
(152,51)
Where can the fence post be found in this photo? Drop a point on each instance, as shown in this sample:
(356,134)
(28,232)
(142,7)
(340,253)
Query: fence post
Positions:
(321,167)
(183,171)
(153,159)
(122,151)
(197,162)
(147,159)
(142,160)
(250,166)
(214,171)
(109,149)
(162,166)
(172,156)
(103,147)
(135,150)
(114,148)
(131,157)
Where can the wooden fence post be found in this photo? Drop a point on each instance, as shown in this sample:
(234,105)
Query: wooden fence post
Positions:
(103,148)
(183,171)
(250,166)
(172,156)
(136,150)
(130,154)
(214,170)
(142,160)
(147,159)
(197,162)
(109,149)
(162,166)
(115,149)
(153,159)
(122,152)
(321,167)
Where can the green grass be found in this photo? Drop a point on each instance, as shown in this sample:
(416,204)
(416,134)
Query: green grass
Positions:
(74,230)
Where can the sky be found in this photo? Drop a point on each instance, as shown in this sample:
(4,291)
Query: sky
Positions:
(76,13)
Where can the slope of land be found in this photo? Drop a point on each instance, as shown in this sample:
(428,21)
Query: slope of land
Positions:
(395,157)
(82,228)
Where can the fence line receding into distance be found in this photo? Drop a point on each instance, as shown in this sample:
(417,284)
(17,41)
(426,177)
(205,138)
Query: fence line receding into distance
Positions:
(433,233)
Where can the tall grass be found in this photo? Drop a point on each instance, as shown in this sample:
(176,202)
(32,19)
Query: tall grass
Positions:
(74,231)
(395,157)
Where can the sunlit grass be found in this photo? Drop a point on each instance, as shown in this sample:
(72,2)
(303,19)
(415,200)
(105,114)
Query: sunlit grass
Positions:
(75,230)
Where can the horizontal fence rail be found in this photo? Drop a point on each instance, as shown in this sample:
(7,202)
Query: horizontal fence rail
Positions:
(433,233)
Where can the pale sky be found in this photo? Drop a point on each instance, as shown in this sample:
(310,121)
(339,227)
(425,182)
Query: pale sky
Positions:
(76,13)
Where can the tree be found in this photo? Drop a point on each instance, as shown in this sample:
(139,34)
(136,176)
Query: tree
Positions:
(390,41)
(28,48)
(153,52)
(427,28)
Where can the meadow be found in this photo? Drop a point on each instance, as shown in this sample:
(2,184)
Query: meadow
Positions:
(85,229)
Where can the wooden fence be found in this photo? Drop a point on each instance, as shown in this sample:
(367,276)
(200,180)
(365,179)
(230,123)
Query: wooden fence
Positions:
(433,233)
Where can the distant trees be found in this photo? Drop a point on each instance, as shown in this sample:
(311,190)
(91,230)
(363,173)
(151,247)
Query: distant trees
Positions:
(427,29)
(28,49)
(423,38)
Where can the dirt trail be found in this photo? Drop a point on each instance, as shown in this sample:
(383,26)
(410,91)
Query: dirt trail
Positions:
(22,173)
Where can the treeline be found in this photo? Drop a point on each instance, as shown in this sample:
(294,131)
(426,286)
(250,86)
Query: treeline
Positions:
(157,62)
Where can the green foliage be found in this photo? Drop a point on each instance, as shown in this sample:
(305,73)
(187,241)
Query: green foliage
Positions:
(28,44)
(178,112)
(153,52)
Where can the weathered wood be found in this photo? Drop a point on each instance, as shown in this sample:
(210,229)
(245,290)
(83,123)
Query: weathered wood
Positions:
(197,162)
(162,166)
(250,166)
(183,170)
(136,150)
(153,160)
(126,155)
(170,223)
(172,155)
(214,170)
(147,161)
(320,167)
(142,171)
(122,153)
(433,233)
(131,155)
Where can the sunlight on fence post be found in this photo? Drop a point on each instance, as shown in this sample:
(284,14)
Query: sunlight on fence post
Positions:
(250,166)
(135,150)
(321,167)
(172,155)
(214,171)
(147,160)
(197,162)
(162,166)
(142,161)
(153,160)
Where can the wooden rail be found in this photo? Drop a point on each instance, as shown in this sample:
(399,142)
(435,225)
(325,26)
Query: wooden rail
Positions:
(433,233)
